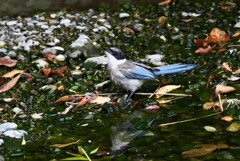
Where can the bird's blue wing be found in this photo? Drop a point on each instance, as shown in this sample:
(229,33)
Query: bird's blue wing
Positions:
(138,72)
(173,68)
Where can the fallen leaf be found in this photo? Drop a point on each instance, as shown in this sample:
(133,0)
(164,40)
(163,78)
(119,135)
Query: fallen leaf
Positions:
(234,127)
(12,73)
(10,84)
(209,105)
(187,20)
(29,77)
(88,98)
(203,150)
(162,20)
(37,116)
(202,50)
(236,34)
(198,41)
(67,98)
(223,89)
(165,89)
(101,100)
(218,35)
(165,2)
(49,56)
(59,71)
(8,62)
(221,50)
(227,118)
(128,30)
(46,71)
(64,145)
(236,72)
(61,88)
(152,107)
(227,67)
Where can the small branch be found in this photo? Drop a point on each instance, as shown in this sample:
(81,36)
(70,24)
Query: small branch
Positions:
(177,122)
(220,102)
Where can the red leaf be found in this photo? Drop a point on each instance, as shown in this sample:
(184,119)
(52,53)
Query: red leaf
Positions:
(204,50)
(46,71)
(49,56)
(59,71)
(10,84)
(8,62)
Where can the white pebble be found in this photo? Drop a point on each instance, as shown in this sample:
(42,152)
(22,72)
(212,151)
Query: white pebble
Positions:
(60,57)
(123,15)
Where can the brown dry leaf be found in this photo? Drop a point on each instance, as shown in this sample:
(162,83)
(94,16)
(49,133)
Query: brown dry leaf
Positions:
(165,2)
(227,67)
(209,105)
(202,50)
(101,100)
(218,35)
(223,89)
(187,20)
(227,118)
(88,98)
(61,88)
(203,150)
(128,30)
(49,56)
(221,50)
(46,71)
(8,62)
(164,101)
(65,99)
(236,34)
(59,71)
(10,84)
(198,41)
(64,145)
(152,107)
(12,73)
(162,20)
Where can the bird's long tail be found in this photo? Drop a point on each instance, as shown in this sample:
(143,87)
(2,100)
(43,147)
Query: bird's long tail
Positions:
(173,68)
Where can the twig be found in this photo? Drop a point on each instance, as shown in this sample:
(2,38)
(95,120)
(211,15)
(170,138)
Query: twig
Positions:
(220,102)
(177,122)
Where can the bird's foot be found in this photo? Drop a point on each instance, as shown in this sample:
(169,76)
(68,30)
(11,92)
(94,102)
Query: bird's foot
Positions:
(125,101)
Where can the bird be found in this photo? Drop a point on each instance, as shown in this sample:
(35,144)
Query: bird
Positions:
(131,75)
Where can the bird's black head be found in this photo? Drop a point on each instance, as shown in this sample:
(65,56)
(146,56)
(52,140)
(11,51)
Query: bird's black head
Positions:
(117,53)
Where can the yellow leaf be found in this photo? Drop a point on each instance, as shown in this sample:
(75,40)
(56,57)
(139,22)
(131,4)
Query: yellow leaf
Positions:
(64,145)
(227,118)
(165,89)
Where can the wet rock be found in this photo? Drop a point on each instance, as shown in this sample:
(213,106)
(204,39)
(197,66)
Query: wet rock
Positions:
(15,133)
(75,54)
(17,110)
(1,143)
(102,60)
(20,39)
(138,27)
(11,23)
(81,41)
(12,54)
(7,126)
(49,50)
(66,22)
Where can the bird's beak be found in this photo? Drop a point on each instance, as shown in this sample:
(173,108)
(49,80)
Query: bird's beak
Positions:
(106,49)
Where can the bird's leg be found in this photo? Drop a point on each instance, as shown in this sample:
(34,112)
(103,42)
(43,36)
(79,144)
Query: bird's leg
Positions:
(129,96)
